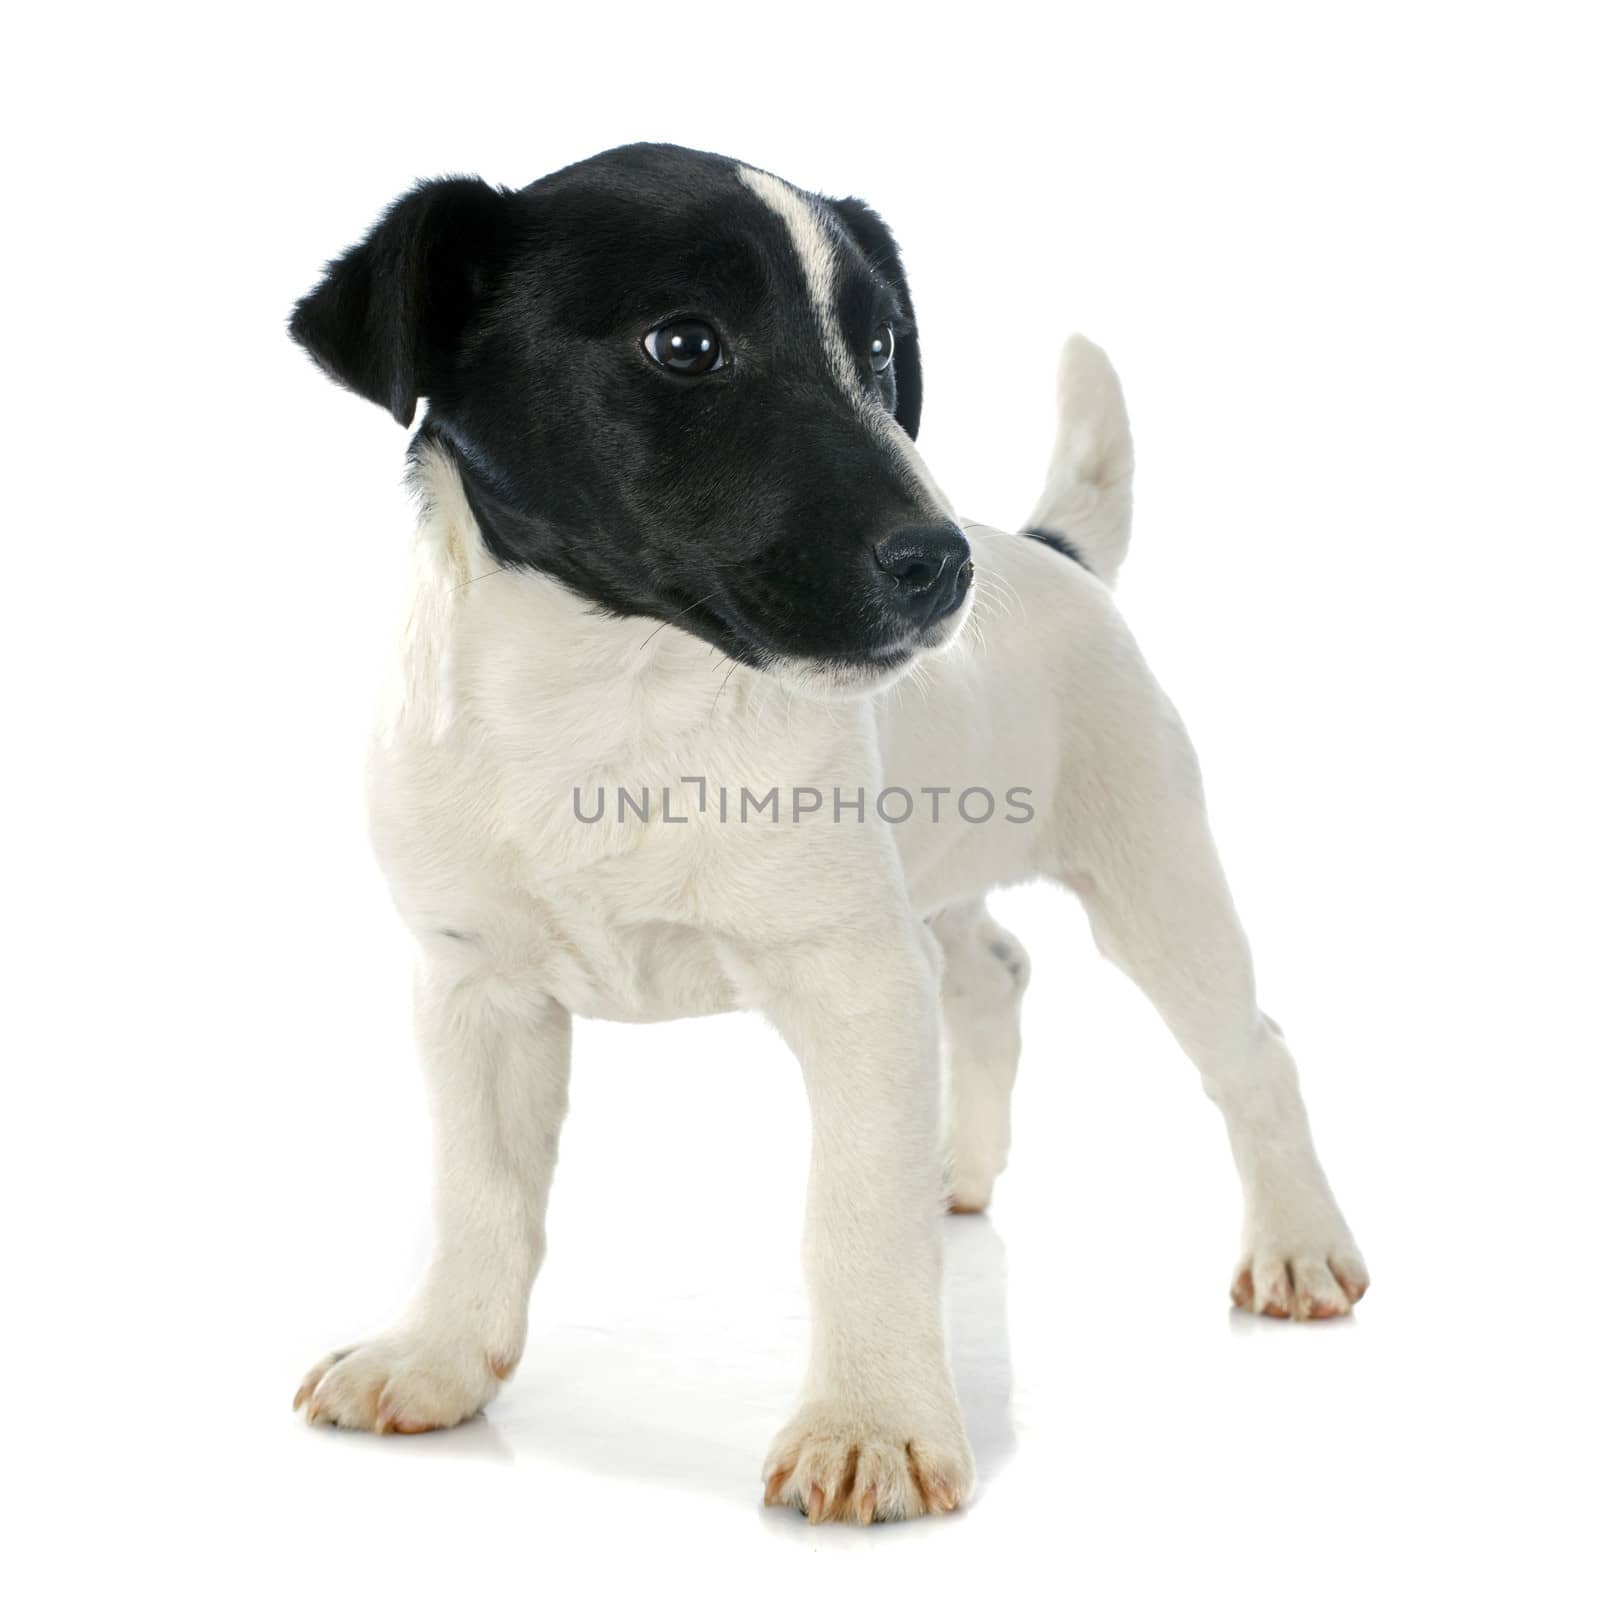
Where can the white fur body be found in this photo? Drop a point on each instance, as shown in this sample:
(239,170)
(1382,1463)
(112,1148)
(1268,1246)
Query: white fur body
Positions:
(479,758)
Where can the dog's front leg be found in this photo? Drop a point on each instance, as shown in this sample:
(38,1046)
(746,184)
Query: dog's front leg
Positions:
(497,1059)
(878,1433)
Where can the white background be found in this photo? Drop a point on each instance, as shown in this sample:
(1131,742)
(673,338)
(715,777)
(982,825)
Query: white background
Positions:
(1344,258)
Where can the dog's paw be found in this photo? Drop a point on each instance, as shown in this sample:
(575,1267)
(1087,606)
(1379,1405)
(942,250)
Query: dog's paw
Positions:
(966,1192)
(970,1175)
(1307,1280)
(404,1383)
(835,1464)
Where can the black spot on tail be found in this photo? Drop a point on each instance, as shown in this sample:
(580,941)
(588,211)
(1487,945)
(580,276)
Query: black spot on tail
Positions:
(1063,547)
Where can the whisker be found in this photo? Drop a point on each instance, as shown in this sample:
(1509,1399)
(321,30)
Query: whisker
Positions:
(727,678)
(998,586)
(676,614)
(1009,588)
(497,572)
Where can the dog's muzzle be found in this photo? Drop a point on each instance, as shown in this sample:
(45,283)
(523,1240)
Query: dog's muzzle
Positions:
(927,570)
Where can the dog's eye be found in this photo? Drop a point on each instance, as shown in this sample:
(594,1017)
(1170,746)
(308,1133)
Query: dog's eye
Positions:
(881,351)
(688,347)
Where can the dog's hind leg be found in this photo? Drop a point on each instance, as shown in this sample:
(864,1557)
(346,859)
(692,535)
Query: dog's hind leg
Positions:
(985,973)
(497,1060)
(1136,847)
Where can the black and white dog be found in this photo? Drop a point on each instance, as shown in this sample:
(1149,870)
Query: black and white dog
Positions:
(665,763)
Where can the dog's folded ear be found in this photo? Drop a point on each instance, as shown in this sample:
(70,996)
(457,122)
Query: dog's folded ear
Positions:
(871,233)
(386,318)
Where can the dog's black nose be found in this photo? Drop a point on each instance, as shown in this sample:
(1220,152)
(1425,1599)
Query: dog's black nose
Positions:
(931,570)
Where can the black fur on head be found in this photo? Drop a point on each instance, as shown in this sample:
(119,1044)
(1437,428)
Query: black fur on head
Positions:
(876,243)
(753,503)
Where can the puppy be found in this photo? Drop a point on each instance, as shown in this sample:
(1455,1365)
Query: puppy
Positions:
(652,753)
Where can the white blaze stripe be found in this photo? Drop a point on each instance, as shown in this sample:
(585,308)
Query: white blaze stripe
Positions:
(818,254)
(818,249)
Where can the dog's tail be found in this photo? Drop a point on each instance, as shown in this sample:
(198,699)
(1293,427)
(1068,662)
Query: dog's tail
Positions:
(1086,510)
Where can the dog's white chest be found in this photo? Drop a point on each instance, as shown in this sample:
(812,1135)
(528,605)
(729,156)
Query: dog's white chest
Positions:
(624,970)
(494,869)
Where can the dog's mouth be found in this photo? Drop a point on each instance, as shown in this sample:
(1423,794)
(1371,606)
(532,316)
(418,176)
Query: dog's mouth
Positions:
(890,646)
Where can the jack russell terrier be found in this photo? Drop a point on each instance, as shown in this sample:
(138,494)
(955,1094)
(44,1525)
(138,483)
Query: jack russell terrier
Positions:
(707,700)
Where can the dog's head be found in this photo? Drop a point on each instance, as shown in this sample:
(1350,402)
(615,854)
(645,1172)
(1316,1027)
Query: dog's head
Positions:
(678,385)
